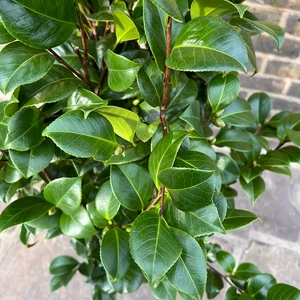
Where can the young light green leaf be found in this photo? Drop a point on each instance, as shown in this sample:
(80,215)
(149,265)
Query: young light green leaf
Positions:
(107,204)
(54,23)
(228,168)
(78,225)
(238,114)
(261,106)
(259,285)
(273,29)
(226,261)
(3,124)
(65,193)
(236,218)
(214,284)
(23,210)
(125,28)
(63,264)
(283,291)
(131,185)
(95,135)
(254,188)
(198,50)
(188,275)
(121,71)
(25,130)
(145,132)
(164,153)
(115,254)
(123,121)
(222,91)
(153,247)
(33,161)
(201,222)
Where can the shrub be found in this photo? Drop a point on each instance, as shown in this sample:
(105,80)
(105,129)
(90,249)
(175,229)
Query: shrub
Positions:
(113,137)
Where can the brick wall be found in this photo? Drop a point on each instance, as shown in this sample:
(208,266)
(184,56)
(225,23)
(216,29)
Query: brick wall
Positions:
(279,73)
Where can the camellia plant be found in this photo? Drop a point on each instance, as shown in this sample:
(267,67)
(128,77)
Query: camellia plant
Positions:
(114,136)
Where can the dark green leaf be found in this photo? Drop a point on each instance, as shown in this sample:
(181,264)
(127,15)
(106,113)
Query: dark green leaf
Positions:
(164,290)
(249,173)
(153,247)
(121,71)
(254,188)
(203,221)
(202,145)
(51,24)
(221,204)
(236,218)
(61,280)
(5,37)
(115,254)
(34,160)
(98,220)
(123,121)
(23,210)
(250,49)
(47,221)
(229,170)
(261,106)
(12,174)
(79,225)
(246,270)
(288,122)
(131,185)
(24,130)
(292,152)
(226,261)
(188,275)
(3,124)
(258,285)
(293,136)
(106,203)
(199,50)
(238,114)
(283,291)
(214,284)
(63,264)
(105,43)
(95,135)
(222,91)
(231,294)
(171,8)
(164,153)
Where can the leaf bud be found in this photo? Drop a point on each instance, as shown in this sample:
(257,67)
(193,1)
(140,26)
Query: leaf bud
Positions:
(119,150)
(220,123)
(52,211)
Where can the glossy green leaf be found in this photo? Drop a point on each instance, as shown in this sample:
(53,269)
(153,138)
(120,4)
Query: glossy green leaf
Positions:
(289,122)
(125,27)
(199,50)
(21,65)
(95,135)
(276,162)
(228,168)
(3,124)
(261,106)
(33,161)
(273,29)
(190,189)
(84,100)
(98,220)
(78,225)
(24,130)
(12,174)
(46,221)
(246,270)
(201,222)
(170,7)
(121,71)
(250,49)
(249,173)
(153,247)
(254,189)
(235,139)
(222,91)
(283,291)
(63,264)
(192,116)
(105,43)
(150,81)
(258,285)
(106,203)
(293,136)
(23,210)
(131,185)
(238,114)
(226,261)
(231,294)
(123,121)
(53,24)
(220,202)
(61,280)
(164,153)
(65,193)
(216,8)
(145,132)
(214,284)
(5,37)
(114,253)
(292,152)
(188,275)
(164,290)
(236,218)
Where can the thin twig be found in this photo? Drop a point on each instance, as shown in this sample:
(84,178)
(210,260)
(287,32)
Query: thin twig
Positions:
(280,145)
(61,60)
(103,73)
(46,175)
(154,202)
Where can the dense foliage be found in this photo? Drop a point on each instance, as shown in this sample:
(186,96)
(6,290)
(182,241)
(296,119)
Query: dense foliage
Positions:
(115,133)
